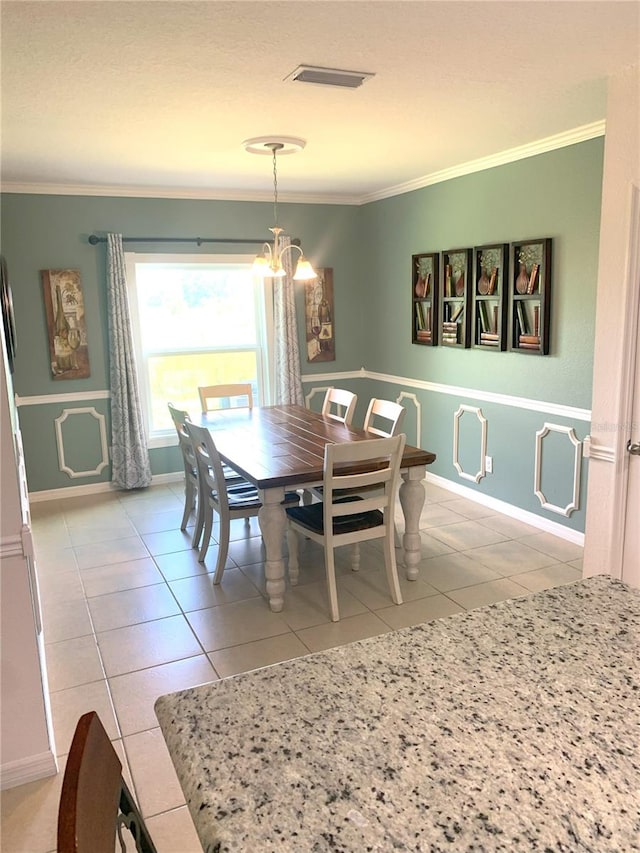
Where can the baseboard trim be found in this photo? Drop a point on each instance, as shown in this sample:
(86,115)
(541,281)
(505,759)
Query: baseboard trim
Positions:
(97,488)
(524,515)
(30,769)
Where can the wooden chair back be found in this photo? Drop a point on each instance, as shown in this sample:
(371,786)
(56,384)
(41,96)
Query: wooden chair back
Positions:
(95,803)
(210,393)
(180,419)
(339,405)
(392,414)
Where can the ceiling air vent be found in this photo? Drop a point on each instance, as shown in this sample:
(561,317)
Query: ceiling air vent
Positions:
(328,76)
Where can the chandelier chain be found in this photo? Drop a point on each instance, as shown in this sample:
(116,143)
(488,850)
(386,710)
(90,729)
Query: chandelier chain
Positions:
(275,188)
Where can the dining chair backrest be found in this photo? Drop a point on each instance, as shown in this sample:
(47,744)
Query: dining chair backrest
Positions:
(392,414)
(180,419)
(95,802)
(339,405)
(230,392)
(344,517)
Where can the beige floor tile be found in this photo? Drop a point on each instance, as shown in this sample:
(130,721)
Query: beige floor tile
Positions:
(156,784)
(30,813)
(236,623)
(467,534)
(349,630)
(156,522)
(134,693)
(243,552)
(548,577)
(560,549)
(432,547)
(60,588)
(372,589)
(487,593)
(199,592)
(436,515)
(174,832)
(51,536)
(147,644)
(577,564)
(467,508)
(55,561)
(73,662)
(65,620)
(257,654)
(308,605)
(120,576)
(417,612)
(435,494)
(131,606)
(167,541)
(118,551)
(184,564)
(510,558)
(454,571)
(90,533)
(154,499)
(511,527)
(67,706)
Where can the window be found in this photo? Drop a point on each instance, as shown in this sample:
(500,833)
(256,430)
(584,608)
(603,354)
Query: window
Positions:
(197,321)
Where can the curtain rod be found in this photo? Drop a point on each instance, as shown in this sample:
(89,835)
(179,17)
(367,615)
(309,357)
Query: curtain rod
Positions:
(94,240)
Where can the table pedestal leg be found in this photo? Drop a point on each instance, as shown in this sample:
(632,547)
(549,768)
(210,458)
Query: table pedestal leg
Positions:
(412,497)
(273,521)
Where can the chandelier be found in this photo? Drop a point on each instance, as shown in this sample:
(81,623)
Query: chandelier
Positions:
(269,263)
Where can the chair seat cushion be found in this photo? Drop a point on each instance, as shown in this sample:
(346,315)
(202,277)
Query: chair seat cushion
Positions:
(311,517)
(246,495)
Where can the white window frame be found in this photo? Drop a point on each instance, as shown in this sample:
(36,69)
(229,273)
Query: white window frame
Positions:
(263,295)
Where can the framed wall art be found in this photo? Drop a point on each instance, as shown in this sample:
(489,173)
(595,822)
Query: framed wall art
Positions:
(64,307)
(318,317)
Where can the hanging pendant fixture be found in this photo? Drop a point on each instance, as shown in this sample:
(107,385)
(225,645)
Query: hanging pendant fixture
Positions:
(269,264)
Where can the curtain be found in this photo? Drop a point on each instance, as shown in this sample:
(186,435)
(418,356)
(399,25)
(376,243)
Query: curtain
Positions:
(288,388)
(130,466)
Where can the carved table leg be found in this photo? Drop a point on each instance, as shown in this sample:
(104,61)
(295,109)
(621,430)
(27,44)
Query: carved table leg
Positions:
(273,521)
(412,497)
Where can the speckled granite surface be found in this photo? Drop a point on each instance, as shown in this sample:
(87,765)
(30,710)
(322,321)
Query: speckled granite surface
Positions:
(514,727)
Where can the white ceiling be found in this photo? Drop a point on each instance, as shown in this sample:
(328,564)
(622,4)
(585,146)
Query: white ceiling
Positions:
(156,97)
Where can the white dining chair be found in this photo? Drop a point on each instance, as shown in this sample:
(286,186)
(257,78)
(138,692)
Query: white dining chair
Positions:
(357,465)
(384,418)
(339,405)
(216,495)
(180,418)
(231,392)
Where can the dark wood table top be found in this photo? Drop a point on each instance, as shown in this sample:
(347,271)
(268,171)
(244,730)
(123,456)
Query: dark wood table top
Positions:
(284,445)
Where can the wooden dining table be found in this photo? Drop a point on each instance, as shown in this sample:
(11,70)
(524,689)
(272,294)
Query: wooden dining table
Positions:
(281,448)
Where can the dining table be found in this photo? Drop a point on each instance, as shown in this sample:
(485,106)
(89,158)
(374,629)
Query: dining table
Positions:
(281,448)
(509,728)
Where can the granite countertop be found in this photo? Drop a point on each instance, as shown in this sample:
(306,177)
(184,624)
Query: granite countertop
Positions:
(513,727)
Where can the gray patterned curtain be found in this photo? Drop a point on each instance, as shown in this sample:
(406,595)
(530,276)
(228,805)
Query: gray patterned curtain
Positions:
(130,466)
(288,388)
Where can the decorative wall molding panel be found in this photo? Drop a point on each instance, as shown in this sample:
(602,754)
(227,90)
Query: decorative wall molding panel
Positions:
(77,397)
(556,409)
(574,503)
(320,389)
(405,395)
(104,461)
(456,442)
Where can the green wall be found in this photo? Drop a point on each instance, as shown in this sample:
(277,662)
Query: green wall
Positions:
(555,195)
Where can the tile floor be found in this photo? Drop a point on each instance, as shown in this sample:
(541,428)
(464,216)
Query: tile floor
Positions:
(129,614)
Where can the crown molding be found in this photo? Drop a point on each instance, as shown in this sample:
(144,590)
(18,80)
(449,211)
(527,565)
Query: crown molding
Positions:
(541,146)
(175,192)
